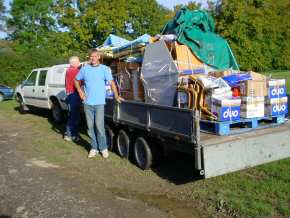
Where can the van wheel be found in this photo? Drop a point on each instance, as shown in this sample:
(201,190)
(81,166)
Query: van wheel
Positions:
(142,153)
(1,97)
(57,113)
(110,138)
(22,106)
(123,144)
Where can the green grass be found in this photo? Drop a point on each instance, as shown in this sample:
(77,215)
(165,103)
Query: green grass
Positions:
(258,192)
(262,191)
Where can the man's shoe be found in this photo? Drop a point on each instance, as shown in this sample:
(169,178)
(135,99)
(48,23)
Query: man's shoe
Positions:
(105,153)
(92,153)
(67,138)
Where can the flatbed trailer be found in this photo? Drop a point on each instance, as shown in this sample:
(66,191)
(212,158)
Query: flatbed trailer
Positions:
(147,130)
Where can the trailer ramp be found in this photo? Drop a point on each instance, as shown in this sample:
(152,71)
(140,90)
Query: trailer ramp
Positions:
(225,154)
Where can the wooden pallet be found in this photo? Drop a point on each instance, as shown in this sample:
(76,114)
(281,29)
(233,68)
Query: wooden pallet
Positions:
(240,126)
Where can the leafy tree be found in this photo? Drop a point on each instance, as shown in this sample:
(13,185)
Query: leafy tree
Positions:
(192,5)
(2,11)
(94,20)
(15,66)
(31,21)
(258,32)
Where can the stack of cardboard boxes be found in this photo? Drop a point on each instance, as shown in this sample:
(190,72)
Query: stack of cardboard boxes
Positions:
(221,102)
(276,101)
(253,93)
(130,84)
(259,97)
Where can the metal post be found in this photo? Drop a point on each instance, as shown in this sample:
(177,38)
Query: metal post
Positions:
(197,146)
(116,115)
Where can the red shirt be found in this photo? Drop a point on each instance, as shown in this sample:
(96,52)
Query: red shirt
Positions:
(69,80)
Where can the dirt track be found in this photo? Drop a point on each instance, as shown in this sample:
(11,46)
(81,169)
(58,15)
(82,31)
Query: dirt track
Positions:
(40,178)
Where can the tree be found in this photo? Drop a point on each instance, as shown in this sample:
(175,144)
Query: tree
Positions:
(192,5)
(88,20)
(31,20)
(2,17)
(258,32)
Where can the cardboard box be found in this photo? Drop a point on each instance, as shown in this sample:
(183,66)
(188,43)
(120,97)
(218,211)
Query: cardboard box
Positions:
(276,88)
(252,107)
(219,74)
(257,76)
(137,86)
(276,106)
(226,109)
(128,95)
(185,59)
(223,95)
(127,66)
(253,88)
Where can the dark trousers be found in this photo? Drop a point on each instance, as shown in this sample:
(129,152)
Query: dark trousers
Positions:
(73,102)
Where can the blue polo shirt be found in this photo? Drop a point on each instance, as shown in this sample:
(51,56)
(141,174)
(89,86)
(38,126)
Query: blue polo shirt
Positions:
(94,78)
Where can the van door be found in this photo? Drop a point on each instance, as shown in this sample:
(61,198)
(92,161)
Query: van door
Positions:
(28,88)
(41,99)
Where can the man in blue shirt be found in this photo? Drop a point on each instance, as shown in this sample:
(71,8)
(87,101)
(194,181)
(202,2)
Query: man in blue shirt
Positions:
(94,77)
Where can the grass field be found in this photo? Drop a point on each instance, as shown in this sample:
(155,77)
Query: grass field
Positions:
(262,191)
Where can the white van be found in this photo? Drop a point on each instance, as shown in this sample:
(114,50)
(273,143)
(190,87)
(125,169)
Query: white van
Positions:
(44,88)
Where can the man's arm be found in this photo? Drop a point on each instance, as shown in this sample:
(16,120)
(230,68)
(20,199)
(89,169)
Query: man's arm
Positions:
(118,98)
(80,91)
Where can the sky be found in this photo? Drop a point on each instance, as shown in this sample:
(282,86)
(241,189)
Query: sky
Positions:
(171,3)
(167,3)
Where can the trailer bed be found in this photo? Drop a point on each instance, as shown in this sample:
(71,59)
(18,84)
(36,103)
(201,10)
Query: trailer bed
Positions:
(224,154)
(213,155)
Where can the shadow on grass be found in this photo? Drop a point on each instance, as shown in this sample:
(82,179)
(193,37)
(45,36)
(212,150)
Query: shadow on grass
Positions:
(60,127)
(177,167)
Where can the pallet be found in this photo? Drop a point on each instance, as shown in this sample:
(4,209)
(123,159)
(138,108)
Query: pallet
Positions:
(240,126)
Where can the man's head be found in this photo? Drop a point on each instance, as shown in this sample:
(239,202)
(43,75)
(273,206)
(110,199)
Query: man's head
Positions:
(94,57)
(74,61)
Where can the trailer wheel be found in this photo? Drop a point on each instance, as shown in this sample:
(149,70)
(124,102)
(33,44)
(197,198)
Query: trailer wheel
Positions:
(142,153)
(123,144)
(110,138)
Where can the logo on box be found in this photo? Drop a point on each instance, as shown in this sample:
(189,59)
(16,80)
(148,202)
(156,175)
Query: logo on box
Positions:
(278,109)
(277,92)
(230,113)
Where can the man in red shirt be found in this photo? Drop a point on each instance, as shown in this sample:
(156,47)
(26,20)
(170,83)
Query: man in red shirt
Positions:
(73,101)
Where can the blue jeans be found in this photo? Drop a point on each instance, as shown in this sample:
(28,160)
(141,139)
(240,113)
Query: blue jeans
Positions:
(73,102)
(96,129)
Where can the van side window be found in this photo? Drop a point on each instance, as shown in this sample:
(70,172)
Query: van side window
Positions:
(42,77)
(31,80)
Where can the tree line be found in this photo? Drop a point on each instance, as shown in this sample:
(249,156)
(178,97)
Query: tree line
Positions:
(46,32)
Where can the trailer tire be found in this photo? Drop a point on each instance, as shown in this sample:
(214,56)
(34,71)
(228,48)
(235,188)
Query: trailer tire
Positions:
(143,154)
(110,138)
(123,144)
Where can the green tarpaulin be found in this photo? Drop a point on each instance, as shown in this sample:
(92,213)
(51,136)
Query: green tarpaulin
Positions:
(196,30)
